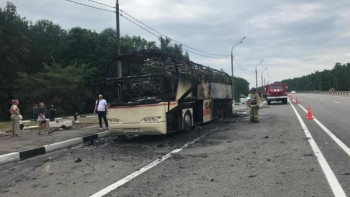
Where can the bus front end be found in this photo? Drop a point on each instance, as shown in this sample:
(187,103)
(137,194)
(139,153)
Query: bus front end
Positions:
(147,119)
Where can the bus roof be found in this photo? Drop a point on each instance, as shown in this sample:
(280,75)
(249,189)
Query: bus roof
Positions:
(183,66)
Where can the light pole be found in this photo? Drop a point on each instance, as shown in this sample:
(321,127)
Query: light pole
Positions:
(262,81)
(119,65)
(232,85)
(267,76)
(256,73)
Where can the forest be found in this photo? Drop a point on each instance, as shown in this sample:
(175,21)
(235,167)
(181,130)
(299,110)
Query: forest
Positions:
(42,62)
(337,78)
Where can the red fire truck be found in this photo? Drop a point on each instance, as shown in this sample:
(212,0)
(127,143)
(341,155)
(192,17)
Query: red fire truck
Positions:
(276,91)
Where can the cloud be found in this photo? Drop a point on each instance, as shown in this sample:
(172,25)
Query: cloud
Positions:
(294,37)
(287,13)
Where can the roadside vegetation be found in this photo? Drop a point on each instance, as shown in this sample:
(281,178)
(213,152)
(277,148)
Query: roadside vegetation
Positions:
(40,61)
(336,79)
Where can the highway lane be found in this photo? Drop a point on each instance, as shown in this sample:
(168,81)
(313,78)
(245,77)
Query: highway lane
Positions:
(333,112)
(272,158)
(237,158)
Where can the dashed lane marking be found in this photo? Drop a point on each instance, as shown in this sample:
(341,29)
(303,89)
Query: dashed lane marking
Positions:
(336,102)
(328,172)
(335,138)
(135,174)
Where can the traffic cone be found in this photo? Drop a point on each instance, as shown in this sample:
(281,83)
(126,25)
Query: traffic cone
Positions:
(296,101)
(309,113)
(291,97)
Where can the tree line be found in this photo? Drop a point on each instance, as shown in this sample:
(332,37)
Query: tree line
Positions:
(40,61)
(337,78)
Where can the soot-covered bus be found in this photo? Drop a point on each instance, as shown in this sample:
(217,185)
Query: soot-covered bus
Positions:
(159,94)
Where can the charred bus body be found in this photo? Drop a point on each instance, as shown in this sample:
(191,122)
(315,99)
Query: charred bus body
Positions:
(161,94)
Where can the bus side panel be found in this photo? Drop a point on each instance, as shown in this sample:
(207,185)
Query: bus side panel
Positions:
(198,112)
(183,86)
(220,91)
(207,110)
(222,108)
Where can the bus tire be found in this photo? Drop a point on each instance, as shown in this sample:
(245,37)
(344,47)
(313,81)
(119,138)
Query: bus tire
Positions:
(187,122)
(269,102)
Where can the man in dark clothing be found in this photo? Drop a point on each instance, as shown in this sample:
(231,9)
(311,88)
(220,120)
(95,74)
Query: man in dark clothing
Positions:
(35,112)
(52,113)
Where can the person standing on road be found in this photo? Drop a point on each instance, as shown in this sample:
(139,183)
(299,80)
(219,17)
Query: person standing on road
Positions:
(101,107)
(15,116)
(254,105)
(52,113)
(41,118)
(35,111)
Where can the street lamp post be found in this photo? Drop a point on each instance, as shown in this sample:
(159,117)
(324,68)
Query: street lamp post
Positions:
(232,85)
(262,81)
(266,80)
(256,73)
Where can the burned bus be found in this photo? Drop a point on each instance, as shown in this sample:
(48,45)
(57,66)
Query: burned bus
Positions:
(159,94)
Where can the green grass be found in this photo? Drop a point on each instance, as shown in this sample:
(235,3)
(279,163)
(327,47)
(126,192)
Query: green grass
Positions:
(7,125)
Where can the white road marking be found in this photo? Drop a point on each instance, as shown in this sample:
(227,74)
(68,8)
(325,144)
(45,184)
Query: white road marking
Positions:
(325,129)
(331,178)
(135,174)
(336,102)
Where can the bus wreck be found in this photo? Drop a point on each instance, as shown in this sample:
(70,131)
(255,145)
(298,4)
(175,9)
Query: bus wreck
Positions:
(162,94)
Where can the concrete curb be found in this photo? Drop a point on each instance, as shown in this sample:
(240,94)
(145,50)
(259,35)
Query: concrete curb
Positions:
(22,155)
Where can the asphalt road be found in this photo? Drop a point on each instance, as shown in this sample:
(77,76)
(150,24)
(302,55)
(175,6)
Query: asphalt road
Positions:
(232,158)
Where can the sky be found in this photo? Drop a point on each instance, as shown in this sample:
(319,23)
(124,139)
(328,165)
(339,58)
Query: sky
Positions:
(292,37)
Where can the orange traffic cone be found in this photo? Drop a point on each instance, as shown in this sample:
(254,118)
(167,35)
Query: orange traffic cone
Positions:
(309,113)
(296,101)
(291,97)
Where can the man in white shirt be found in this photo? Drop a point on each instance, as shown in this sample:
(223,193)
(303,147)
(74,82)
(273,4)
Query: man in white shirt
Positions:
(101,107)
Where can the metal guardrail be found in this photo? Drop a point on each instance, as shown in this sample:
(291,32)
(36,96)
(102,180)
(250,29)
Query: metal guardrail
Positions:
(344,93)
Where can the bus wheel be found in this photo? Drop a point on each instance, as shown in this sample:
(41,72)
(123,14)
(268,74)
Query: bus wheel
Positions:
(187,121)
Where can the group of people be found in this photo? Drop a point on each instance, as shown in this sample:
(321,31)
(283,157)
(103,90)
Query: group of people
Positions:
(39,112)
(36,110)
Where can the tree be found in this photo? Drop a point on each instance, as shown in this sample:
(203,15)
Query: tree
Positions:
(80,47)
(337,78)
(67,87)
(47,41)
(14,49)
(241,86)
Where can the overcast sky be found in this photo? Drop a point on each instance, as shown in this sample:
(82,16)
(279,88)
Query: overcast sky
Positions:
(294,37)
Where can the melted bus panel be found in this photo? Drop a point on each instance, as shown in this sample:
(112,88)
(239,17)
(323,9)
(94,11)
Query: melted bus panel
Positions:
(161,94)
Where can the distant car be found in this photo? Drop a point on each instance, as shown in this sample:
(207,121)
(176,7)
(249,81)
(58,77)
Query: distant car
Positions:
(243,99)
(247,99)
(293,92)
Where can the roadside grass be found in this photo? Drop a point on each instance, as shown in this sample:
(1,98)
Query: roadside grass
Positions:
(83,120)
(6,125)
